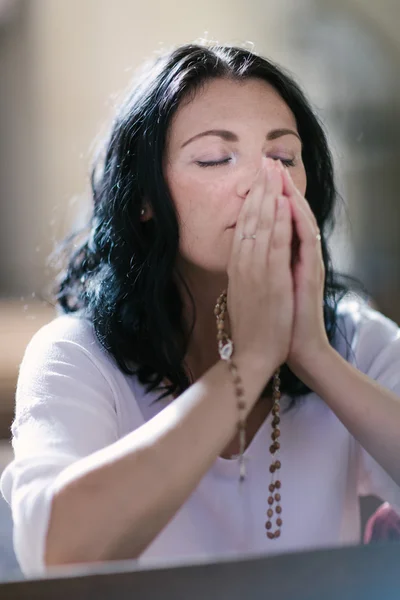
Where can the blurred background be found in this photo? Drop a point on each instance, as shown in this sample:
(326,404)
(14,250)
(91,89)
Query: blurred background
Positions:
(63,65)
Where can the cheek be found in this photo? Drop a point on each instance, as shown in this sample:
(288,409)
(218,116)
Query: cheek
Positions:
(204,213)
(299,179)
(198,199)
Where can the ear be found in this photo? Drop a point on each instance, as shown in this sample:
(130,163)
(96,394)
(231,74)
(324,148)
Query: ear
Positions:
(146,212)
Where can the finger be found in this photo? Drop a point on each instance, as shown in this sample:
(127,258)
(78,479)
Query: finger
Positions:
(305,229)
(267,213)
(290,189)
(248,216)
(248,223)
(295,196)
(279,255)
(307,236)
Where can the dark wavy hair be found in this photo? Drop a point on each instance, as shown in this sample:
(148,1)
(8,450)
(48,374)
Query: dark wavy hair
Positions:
(119,271)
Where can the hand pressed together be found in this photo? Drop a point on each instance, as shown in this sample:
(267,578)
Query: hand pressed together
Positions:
(275,298)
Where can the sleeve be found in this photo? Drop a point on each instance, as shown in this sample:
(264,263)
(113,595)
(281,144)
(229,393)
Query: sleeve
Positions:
(65,410)
(378,355)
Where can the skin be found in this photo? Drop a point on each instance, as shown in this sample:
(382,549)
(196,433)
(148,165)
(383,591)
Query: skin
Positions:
(209,199)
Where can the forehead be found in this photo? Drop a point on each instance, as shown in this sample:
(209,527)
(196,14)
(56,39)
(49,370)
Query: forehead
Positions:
(222,101)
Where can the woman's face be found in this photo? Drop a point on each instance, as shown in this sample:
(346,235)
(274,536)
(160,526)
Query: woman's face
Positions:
(214,149)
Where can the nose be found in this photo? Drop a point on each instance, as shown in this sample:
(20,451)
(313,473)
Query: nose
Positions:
(246,178)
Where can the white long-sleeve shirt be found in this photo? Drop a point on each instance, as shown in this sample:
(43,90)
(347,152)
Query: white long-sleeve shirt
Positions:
(73,400)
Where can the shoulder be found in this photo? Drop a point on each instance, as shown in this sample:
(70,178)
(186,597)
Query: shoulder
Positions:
(359,318)
(66,334)
(65,327)
(364,334)
(64,353)
(65,371)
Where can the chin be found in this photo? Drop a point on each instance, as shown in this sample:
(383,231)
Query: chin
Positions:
(205,267)
(218,269)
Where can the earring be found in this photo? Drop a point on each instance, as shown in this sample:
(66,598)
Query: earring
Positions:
(142,212)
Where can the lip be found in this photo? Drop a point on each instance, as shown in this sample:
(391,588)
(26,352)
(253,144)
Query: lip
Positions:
(232,226)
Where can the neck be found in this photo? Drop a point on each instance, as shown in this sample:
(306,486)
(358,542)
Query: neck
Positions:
(205,288)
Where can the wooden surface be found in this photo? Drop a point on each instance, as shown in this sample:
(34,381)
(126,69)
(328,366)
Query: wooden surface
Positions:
(19,320)
(353,573)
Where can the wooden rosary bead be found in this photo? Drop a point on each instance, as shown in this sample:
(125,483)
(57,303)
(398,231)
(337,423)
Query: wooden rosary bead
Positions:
(226,348)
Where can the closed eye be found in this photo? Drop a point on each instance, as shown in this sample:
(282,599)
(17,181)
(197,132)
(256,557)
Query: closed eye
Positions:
(288,162)
(213,163)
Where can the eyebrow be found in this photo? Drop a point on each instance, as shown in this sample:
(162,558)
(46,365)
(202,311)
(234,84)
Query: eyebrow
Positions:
(229,136)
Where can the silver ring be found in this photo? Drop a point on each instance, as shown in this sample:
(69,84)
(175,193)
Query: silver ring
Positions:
(248,237)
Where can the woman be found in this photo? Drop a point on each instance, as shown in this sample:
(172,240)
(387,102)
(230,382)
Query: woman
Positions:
(140,408)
